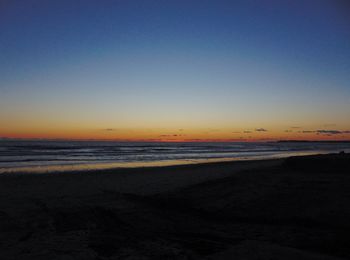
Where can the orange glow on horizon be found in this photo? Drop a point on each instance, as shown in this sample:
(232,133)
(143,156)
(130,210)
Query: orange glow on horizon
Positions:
(169,135)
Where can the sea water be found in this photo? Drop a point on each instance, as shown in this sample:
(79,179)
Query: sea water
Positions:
(57,156)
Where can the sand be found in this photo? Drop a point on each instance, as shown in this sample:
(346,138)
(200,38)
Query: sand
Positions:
(296,208)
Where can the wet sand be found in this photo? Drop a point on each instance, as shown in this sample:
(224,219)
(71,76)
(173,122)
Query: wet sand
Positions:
(295,208)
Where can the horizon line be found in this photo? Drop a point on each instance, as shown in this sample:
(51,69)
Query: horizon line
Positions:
(171,141)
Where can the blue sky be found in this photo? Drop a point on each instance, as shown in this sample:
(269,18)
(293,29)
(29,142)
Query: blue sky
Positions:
(174,64)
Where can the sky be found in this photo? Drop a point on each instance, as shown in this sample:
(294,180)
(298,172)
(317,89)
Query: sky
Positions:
(175,70)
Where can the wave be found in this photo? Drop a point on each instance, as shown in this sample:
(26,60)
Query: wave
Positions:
(42,153)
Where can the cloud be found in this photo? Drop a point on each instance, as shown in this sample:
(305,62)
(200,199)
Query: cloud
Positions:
(325,132)
(236,132)
(247,132)
(295,127)
(288,131)
(260,130)
(108,129)
(172,135)
(329,132)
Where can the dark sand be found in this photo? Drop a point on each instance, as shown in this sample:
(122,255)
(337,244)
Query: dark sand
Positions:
(298,208)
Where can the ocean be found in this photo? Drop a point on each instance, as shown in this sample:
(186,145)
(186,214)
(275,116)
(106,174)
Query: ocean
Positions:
(59,156)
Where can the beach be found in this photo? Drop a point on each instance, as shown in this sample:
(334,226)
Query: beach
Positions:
(294,208)
(190,130)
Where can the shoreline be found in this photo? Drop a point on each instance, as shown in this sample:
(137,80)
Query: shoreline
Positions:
(113,166)
(141,180)
(150,167)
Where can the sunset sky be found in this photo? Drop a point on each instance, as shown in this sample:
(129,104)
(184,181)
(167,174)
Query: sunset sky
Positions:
(175,70)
